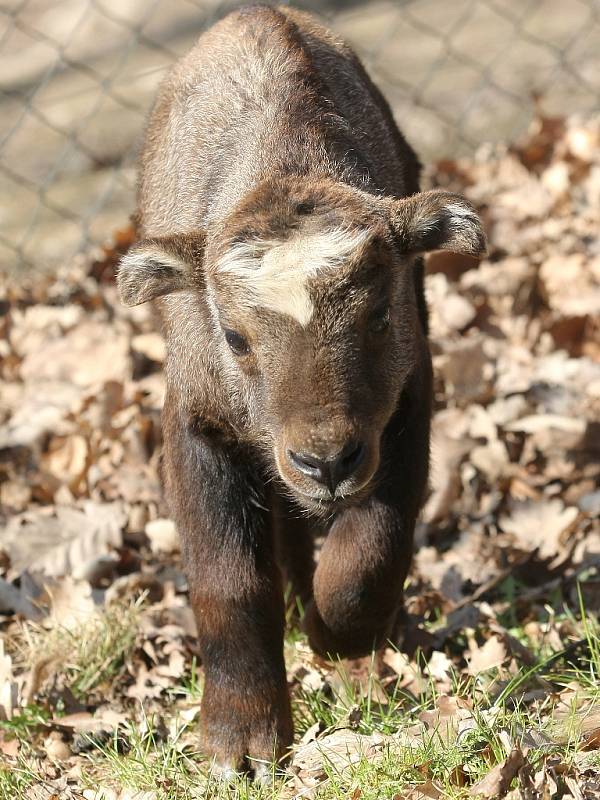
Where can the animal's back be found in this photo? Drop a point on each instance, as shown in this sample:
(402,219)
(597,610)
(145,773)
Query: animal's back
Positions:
(265,91)
(395,167)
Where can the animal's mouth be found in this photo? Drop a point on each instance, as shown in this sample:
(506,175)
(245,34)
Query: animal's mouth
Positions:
(324,503)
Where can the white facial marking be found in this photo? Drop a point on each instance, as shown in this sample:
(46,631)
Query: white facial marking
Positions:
(275,273)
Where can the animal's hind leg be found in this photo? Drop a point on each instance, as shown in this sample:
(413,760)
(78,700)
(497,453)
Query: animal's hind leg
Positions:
(294,547)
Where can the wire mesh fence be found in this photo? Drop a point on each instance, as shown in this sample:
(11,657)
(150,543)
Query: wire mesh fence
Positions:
(77,78)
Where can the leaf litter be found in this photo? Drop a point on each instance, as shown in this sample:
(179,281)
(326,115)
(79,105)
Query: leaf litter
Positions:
(98,653)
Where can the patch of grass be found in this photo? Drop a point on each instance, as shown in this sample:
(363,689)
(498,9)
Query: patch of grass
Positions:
(452,762)
(145,761)
(152,759)
(503,713)
(14,782)
(365,709)
(99,654)
(82,657)
(21,725)
(191,685)
(160,755)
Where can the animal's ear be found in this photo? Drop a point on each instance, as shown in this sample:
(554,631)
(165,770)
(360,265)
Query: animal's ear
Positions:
(159,266)
(437,220)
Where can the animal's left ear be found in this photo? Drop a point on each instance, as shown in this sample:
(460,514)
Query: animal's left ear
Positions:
(437,220)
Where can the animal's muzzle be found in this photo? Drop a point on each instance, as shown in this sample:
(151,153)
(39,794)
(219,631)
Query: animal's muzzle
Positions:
(329,471)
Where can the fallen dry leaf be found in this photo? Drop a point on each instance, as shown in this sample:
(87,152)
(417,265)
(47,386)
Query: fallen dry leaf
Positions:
(491,655)
(151,345)
(87,356)
(340,750)
(56,748)
(71,602)
(497,782)
(424,791)
(450,717)
(539,525)
(163,536)
(63,540)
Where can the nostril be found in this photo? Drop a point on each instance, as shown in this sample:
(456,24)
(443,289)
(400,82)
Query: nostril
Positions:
(349,460)
(308,464)
(352,454)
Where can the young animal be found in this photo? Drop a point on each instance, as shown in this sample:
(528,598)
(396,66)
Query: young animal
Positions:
(282,228)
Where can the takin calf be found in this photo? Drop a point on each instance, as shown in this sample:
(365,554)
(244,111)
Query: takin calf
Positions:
(282,229)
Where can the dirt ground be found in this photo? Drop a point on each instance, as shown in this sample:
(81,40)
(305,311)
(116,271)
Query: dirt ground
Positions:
(494,689)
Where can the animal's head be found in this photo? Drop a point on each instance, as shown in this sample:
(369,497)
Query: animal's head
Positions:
(312,293)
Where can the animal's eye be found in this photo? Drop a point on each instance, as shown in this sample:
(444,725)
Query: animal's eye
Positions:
(237,343)
(380,320)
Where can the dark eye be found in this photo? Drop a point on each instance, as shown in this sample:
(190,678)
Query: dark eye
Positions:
(237,343)
(380,320)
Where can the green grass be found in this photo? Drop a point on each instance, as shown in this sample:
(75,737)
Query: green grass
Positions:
(29,719)
(190,686)
(351,707)
(14,782)
(450,762)
(143,758)
(82,658)
(160,754)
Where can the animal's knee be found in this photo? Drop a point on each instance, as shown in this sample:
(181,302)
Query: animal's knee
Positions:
(334,635)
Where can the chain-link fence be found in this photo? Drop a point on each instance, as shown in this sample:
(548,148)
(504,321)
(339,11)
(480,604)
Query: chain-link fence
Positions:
(78,76)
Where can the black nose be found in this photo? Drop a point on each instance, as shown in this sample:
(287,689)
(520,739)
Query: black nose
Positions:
(330,471)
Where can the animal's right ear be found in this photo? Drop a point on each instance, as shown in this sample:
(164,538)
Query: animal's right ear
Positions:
(158,266)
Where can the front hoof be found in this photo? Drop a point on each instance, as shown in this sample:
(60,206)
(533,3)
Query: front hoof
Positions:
(246,732)
(225,772)
(257,753)
(265,773)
